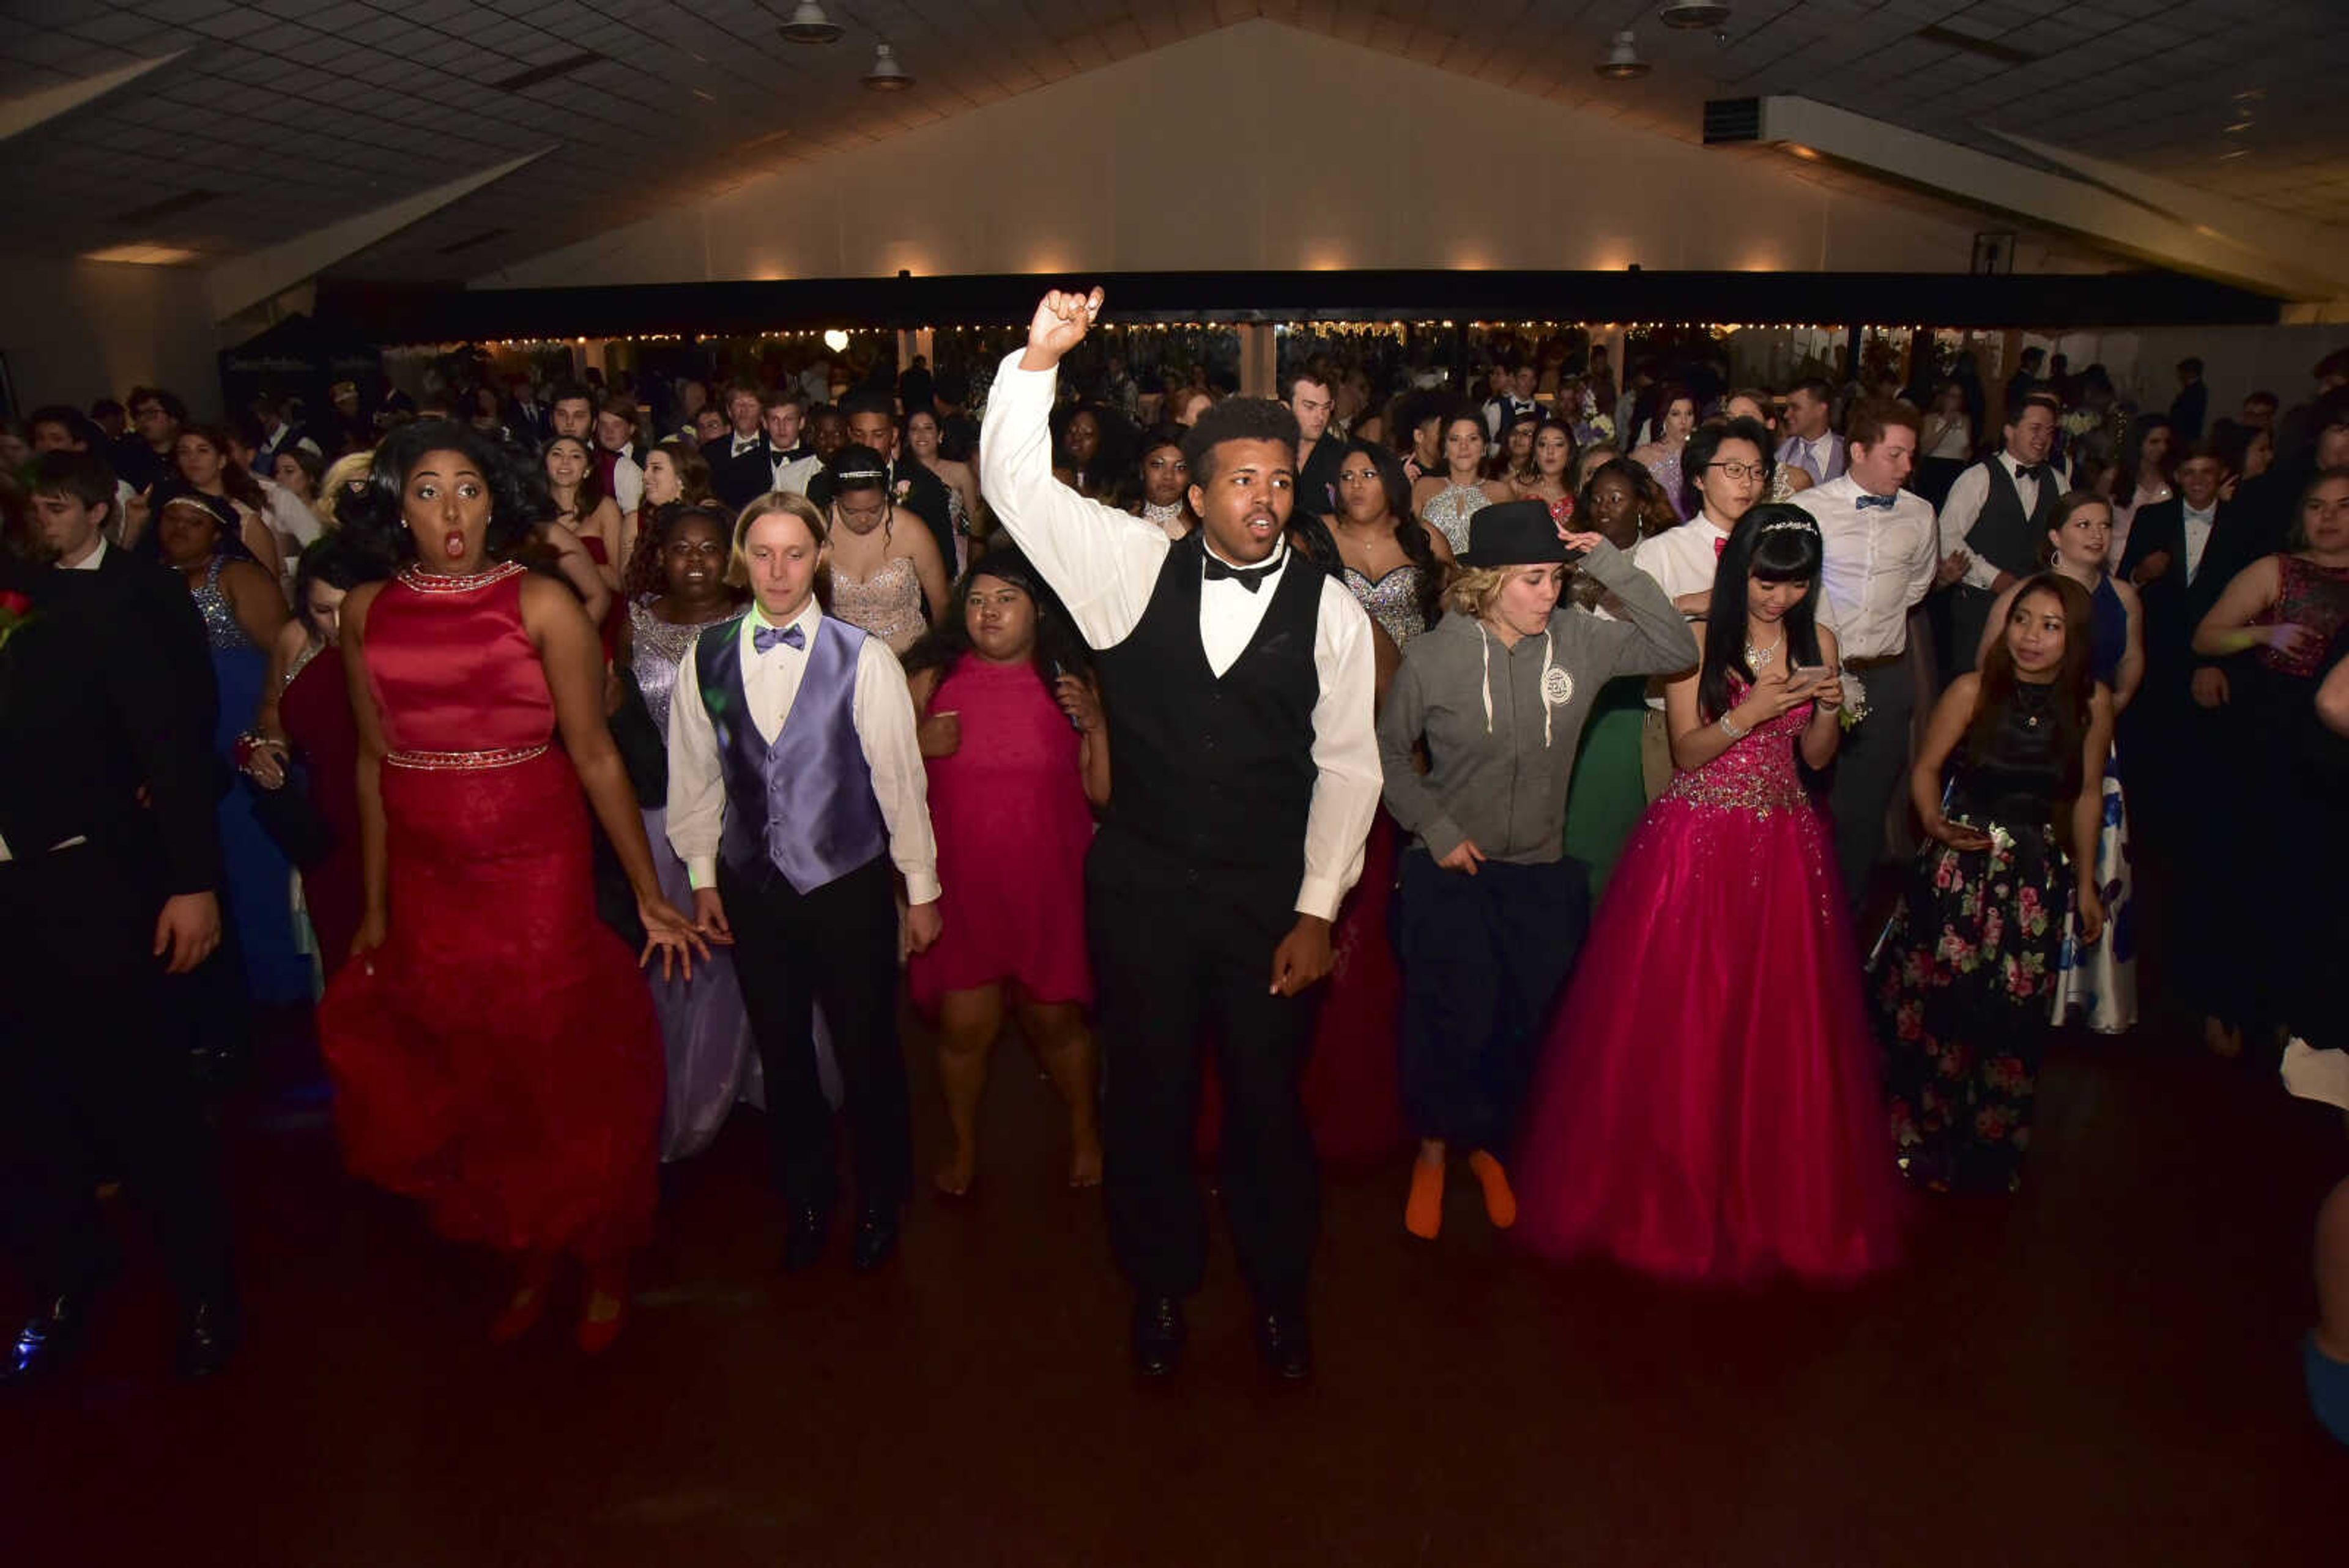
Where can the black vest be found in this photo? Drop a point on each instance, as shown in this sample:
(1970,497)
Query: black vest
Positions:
(2004,534)
(1216,771)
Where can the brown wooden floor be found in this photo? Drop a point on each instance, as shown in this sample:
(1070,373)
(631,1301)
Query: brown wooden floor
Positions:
(2102,1371)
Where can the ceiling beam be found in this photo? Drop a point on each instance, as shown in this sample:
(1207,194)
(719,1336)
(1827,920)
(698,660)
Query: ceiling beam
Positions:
(18,115)
(247,280)
(2103,216)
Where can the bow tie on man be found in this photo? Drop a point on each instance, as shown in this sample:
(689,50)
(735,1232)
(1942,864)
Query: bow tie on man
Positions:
(1886,502)
(2034,471)
(764,638)
(745,444)
(1249,577)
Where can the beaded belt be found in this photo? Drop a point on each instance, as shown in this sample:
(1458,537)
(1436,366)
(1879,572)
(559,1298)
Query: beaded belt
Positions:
(450,762)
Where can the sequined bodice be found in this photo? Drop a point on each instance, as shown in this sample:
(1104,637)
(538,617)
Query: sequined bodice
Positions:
(887,605)
(1757,773)
(222,631)
(1449,512)
(1393,600)
(1667,471)
(660,648)
(2311,596)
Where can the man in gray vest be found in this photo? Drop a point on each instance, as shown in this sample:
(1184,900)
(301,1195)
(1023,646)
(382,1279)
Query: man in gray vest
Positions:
(1997,515)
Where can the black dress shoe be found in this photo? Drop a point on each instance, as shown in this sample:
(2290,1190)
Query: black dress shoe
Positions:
(210,1332)
(50,1340)
(876,1236)
(1286,1344)
(1158,1335)
(803,1242)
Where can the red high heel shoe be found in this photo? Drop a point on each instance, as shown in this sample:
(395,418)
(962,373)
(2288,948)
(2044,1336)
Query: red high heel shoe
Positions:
(606,1309)
(533,1280)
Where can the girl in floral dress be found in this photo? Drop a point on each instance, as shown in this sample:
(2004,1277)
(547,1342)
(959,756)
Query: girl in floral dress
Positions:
(1962,975)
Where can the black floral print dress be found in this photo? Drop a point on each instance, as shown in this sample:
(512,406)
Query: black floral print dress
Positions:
(1962,977)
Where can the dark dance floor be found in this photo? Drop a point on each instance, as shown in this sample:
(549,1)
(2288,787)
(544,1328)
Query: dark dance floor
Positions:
(2102,1371)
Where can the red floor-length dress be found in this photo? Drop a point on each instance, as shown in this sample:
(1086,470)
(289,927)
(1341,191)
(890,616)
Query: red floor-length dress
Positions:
(499,1057)
(314,709)
(1707,1104)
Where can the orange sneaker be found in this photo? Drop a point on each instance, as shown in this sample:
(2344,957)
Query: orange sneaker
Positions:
(1423,1212)
(1500,1202)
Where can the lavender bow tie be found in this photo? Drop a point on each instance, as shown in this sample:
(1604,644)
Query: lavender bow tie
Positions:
(765,637)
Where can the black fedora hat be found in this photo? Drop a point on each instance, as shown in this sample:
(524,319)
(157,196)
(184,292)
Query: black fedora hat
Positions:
(1513,534)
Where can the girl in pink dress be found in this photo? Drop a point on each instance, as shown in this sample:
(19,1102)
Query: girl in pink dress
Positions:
(1016,748)
(1707,1104)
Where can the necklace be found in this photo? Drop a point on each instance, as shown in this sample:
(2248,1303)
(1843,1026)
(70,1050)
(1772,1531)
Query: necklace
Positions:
(1759,658)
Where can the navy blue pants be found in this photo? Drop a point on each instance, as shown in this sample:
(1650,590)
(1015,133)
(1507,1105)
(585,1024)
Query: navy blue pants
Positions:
(1484,957)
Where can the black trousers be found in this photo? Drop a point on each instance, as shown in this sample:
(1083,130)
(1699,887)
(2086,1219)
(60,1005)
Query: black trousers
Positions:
(1968,614)
(837,945)
(97,1079)
(1484,957)
(1183,955)
(1870,765)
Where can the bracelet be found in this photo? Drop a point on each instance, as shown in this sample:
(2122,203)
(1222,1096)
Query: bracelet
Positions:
(1733,731)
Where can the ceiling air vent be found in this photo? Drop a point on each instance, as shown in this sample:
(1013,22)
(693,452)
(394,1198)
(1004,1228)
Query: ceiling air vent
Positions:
(1728,120)
(547,72)
(169,207)
(1988,49)
(484,237)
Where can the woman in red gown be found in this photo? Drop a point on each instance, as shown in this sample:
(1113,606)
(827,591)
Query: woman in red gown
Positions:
(306,715)
(494,1053)
(1707,1105)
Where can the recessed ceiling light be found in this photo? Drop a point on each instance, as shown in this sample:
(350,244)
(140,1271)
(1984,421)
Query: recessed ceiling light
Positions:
(141,256)
(886,75)
(809,24)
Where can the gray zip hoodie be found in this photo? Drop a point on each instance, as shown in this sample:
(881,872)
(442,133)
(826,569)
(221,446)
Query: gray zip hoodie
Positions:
(1503,723)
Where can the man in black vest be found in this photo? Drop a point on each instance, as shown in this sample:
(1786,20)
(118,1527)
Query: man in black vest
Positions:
(1997,515)
(108,862)
(1237,681)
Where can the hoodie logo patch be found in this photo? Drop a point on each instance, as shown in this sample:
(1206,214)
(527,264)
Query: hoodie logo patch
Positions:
(1558,687)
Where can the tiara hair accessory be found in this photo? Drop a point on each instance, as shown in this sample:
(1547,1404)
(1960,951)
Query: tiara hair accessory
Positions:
(844,477)
(1802,524)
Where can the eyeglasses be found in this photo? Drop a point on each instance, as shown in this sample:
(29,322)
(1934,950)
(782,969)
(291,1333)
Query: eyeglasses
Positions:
(1741,469)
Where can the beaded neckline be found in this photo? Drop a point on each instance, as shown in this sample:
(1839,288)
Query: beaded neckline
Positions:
(425,582)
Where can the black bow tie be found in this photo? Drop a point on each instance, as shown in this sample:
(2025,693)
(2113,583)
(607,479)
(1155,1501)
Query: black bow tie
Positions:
(2031,471)
(1249,577)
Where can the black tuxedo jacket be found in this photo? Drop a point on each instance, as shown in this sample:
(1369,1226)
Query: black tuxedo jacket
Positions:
(2173,607)
(106,690)
(738,481)
(925,496)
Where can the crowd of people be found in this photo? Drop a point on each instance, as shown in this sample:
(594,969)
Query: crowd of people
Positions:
(1367,762)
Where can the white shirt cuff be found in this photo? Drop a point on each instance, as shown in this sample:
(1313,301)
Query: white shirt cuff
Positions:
(701,871)
(1318,896)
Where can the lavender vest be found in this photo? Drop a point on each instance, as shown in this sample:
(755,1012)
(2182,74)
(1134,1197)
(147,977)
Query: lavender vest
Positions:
(804,805)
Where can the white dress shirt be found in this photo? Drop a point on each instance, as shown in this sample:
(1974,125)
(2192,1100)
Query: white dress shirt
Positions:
(1681,560)
(1879,564)
(1104,564)
(1963,509)
(627,484)
(2197,536)
(883,710)
(793,478)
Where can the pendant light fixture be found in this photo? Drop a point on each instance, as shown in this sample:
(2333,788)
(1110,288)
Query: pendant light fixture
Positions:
(1623,63)
(886,75)
(809,24)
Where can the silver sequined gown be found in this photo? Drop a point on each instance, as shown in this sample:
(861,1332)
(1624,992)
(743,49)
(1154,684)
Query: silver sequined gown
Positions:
(704,1033)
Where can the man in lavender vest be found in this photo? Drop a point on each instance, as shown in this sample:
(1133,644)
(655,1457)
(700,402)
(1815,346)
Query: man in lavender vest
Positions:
(795,783)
